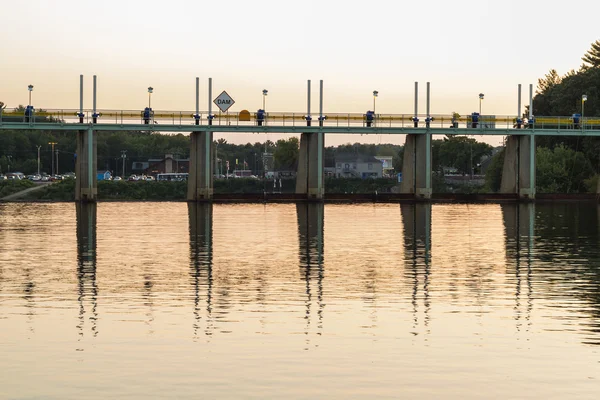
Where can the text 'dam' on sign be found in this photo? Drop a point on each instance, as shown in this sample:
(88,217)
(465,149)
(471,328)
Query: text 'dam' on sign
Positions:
(224,101)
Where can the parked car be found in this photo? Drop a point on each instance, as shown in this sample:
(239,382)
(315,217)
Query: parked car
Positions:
(117,178)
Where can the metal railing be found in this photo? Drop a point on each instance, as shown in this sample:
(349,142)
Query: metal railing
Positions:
(285,119)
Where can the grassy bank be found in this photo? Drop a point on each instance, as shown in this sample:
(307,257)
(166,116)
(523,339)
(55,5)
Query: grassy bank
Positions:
(13,186)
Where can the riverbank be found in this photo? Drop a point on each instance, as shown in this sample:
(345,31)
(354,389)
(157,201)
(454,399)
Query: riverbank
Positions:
(176,192)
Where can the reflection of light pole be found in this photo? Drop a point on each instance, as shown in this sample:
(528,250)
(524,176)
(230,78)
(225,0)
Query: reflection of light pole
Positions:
(150,90)
(30,88)
(583,100)
(480,99)
(52,156)
(265,92)
(39,158)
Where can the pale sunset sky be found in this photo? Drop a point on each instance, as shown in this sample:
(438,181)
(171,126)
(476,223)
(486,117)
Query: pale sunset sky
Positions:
(462,47)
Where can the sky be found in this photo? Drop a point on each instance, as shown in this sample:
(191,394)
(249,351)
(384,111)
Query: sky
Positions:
(462,47)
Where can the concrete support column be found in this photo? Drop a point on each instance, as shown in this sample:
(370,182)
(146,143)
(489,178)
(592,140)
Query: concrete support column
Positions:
(408,165)
(200,180)
(416,166)
(86,167)
(309,177)
(518,171)
(527,167)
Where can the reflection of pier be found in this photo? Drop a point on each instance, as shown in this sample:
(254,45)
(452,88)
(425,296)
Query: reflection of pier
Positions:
(86,264)
(310,241)
(519,220)
(201,258)
(416,219)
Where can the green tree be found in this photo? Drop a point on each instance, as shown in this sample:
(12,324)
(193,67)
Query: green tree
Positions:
(561,170)
(286,153)
(460,152)
(592,57)
(493,174)
(549,80)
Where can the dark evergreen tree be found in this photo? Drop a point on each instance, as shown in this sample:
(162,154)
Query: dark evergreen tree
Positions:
(592,57)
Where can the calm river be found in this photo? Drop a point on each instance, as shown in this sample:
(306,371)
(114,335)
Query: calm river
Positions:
(166,300)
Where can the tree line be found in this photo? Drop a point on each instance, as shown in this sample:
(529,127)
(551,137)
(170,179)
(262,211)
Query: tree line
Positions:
(564,164)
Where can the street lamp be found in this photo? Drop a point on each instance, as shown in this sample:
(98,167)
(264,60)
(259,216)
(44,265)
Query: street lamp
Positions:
(150,90)
(480,100)
(30,88)
(265,92)
(583,100)
(39,147)
(375,93)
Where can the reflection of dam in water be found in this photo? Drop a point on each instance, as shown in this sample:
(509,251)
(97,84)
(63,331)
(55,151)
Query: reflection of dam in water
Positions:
(442,260)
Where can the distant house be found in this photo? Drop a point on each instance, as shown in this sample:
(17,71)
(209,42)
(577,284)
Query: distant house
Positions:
(387,163)
(167,165)
(357,166)
(104,175)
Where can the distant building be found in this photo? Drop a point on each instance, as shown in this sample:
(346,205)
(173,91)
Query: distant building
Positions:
(167,165)
(139,166)
(357,166)
(104,175)
(387,163)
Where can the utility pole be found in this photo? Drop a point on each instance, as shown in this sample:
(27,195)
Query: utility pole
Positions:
(39,147)
(123,156)
(52,156)
(56,161)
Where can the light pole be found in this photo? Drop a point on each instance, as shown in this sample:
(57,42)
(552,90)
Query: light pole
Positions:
(123,156)
(150,90)
(583,100)
(265,92)
(30,88)
(375,94)
(480,100)
(56,161)
(9,160)
(52,156)
(39,147)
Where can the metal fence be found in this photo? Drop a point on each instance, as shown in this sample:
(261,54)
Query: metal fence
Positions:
(274,119)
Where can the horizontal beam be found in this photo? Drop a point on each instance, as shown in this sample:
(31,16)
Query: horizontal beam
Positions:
(296,129)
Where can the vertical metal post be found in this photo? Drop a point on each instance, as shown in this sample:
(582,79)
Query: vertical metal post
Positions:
(94,96)
(90,148)
(428,99)
(531,148)
(321,99)
(80,98)
(320,141)
(197,100)
(427,146)
(530,100)
(519,102)
(308,98)
(416,99)
(208,143)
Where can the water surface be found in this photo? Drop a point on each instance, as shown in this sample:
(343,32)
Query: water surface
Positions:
(151,300)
